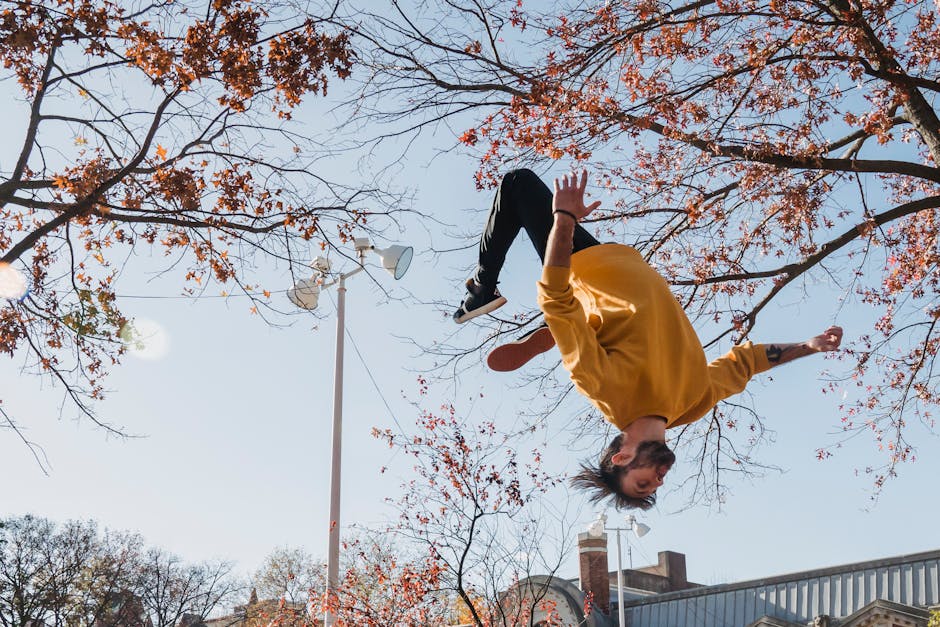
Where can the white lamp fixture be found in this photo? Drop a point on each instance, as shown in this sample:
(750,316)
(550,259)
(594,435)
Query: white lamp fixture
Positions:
(396,258)
(636,526)
(597,528)
(306,294)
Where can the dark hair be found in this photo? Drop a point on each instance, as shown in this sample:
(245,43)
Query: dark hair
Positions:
(604,479)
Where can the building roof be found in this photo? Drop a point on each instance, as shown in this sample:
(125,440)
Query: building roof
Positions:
(839,591)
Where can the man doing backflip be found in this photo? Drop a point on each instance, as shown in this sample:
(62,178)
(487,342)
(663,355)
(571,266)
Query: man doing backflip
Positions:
(623,336)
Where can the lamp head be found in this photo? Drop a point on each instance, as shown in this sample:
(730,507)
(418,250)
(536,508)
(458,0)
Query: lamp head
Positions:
(598,527)
(396,259)
(636,526)
(321,265)
(362,244)
(305,294)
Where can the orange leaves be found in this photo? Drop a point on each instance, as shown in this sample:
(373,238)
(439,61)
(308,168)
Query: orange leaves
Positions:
(146,50)
(924,39)
(26,34)
(238,58)
(180,185)
(196,59)
(113,84)
(13,327)
(467,467)
(298,62)
(706,67)
(912,266)
(85,177)
(469,137)
(226,46)
(131,201)
(381,587)
(236,189)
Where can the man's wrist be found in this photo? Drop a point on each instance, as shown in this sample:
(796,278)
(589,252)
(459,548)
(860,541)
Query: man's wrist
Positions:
(568,215)
(782,353)
(563,225)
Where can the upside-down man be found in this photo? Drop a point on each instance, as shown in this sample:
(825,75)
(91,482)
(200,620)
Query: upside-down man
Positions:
(623,336)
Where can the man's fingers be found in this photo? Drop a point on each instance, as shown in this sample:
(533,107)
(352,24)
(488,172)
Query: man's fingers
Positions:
(834,335)
(831,338)
(570,181)
(556,186)
(594,205)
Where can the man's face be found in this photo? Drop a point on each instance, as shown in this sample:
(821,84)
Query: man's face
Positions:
(641,482)
(646,465)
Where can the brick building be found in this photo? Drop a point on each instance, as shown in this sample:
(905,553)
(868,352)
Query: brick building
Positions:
(892,592)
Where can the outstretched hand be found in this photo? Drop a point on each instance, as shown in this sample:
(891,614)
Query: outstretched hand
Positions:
(569,196)
(828,340)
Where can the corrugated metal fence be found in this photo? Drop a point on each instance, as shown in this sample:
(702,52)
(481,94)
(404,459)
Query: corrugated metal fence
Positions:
(800,597)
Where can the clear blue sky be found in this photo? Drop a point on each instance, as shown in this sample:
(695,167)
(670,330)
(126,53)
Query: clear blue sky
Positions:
(235,417)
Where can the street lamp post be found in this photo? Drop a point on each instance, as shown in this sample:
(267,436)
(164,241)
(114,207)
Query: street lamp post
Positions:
(305,294)
(597,528)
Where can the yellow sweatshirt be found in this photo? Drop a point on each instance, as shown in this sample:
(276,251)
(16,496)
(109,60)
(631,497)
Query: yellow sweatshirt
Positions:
(628,344)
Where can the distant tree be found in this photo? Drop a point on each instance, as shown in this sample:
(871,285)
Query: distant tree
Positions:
(474,507)
(379,585)
(40,566)
(934,619)
(105,576)
(472,523)
(383,585)
(290,574)
(169,588)
(150,132)
(752,149)
(62,575)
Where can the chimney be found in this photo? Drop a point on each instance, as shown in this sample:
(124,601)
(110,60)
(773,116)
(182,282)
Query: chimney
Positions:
(671,566)
(592,554)
(675,569)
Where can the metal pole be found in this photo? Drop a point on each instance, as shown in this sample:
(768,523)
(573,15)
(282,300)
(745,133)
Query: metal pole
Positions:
(620,611)
(332,568)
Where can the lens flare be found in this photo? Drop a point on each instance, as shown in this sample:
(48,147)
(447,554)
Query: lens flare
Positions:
(13,285)
(145,339)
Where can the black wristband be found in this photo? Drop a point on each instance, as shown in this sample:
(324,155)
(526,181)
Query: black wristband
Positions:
(567,213)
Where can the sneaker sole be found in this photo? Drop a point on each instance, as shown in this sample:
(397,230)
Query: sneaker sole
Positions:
(493,305)
(514,355)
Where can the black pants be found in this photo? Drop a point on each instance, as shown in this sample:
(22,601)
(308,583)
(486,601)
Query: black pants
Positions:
(522,201)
